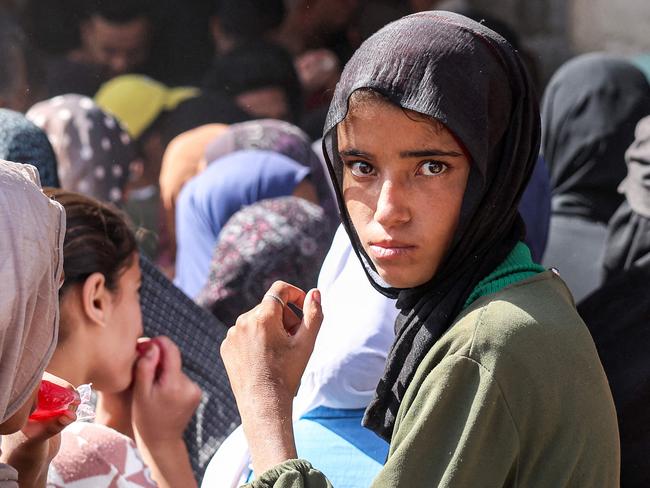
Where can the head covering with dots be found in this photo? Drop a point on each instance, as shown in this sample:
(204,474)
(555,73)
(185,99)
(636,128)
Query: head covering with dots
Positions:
(95,153)
(23,142)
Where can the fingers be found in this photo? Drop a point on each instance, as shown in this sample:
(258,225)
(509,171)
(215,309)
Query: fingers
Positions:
(58,381)
(287,293)
(274,307)
(145,370)
(170,358)
(313,316)
(40,431)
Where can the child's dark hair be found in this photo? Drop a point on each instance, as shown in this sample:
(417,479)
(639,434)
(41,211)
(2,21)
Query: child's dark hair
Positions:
(98,239)
(120,11)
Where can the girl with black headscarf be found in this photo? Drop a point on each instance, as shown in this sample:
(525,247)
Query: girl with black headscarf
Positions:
(493,379)
(589,112)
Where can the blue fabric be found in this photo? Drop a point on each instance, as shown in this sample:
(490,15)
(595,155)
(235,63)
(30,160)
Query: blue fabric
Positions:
(535,209)
(211,198)
(346,452)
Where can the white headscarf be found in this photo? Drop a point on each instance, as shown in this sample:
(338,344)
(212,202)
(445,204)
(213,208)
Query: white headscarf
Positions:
(32,230)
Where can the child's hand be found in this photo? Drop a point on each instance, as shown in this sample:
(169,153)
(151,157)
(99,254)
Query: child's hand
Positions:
(164,398)
(31,449)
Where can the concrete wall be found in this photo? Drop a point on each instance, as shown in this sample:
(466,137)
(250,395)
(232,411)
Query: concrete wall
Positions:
(555,30)
(621,26)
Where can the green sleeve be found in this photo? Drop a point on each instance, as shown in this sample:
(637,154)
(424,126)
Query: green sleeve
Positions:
(294,473)
(454,430)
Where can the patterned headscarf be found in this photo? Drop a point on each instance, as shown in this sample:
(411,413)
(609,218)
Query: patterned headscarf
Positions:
(23,142)
(278,239)
(94,152)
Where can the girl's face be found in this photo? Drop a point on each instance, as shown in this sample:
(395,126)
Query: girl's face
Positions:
(116,343)
(404,178)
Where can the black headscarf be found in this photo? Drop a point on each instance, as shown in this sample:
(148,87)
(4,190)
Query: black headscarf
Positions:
(628,241)
(589,112)
(466,76)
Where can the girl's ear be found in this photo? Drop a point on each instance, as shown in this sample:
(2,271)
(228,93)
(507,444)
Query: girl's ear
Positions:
(96,299)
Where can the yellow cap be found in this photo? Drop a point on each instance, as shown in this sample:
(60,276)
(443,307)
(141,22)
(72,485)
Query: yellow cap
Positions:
(137,100)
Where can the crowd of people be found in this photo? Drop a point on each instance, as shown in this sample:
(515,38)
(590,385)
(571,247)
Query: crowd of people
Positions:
(315,243)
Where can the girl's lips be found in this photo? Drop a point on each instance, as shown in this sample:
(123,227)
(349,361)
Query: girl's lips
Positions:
(387,251)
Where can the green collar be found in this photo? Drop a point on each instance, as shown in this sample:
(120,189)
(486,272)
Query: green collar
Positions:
(518,266)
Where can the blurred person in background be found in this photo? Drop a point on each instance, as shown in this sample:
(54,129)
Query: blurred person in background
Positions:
(208,200)
(315,24)
(589,111)
(94,152)
(284,138)
(153,114)
(184,158)
(237,22)
(23,141)
(116,34)
(14,86)
(617,312)
(261,78)
(141,104)
(283,238)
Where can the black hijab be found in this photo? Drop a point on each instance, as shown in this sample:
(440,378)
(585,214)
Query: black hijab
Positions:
(628,241)
(589,112)
(466,76)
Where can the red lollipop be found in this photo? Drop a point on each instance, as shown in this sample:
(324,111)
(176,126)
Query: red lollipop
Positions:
(53,401)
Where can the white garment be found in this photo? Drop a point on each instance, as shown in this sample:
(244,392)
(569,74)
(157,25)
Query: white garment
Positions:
(348,358)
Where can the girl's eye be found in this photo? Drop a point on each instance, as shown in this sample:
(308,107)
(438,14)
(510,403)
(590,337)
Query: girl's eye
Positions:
(432,168)
(361,168)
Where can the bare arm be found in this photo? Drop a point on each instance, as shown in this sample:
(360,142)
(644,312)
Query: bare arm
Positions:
(265,355)
(164,399)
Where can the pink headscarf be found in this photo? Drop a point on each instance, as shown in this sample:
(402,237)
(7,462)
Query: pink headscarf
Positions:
(32,229)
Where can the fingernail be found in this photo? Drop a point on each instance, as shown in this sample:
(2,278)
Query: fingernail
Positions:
(150,353)
(65,420)
(316,296)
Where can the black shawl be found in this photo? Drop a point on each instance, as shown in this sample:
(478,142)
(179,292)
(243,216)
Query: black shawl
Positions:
(457,71)
(589,112)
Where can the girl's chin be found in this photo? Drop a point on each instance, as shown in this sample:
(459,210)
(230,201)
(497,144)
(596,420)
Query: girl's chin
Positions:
(400,278)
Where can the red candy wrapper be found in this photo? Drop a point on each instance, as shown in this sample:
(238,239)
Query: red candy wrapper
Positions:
(53,401)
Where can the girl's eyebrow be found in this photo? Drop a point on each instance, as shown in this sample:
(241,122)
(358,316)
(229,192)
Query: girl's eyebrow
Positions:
(423,153)
(354,153)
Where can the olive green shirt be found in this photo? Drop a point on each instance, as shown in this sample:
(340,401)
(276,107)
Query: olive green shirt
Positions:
(512,395)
